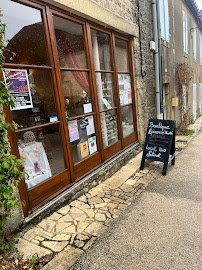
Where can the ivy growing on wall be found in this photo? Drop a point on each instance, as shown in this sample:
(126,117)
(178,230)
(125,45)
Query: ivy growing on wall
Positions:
(11,170)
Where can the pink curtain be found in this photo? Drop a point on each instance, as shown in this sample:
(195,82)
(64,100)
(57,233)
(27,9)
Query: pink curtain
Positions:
(71,60)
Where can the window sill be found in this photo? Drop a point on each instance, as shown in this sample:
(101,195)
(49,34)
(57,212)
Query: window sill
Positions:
(165,43)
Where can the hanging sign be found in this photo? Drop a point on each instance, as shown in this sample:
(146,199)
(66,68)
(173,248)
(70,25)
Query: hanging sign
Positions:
(18,85)
(159,142)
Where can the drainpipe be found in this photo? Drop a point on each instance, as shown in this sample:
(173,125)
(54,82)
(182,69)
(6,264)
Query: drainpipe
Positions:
(156,60)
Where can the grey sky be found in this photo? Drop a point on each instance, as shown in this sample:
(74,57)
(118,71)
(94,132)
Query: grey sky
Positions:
(199,3)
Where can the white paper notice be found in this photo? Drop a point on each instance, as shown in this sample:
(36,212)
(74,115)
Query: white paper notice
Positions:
(87,108)
(92,145)
(90,127)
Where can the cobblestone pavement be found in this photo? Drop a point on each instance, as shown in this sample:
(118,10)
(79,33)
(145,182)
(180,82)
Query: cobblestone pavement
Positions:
(72,229)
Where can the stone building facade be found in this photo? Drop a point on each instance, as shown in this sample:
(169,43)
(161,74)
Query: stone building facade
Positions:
(129,19)
(183,48)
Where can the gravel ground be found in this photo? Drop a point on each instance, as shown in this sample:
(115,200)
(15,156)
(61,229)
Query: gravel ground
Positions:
(160,230)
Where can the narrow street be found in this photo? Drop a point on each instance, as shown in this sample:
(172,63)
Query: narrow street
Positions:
(160,230)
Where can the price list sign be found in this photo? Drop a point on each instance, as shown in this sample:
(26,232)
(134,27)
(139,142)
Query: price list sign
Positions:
(159,142)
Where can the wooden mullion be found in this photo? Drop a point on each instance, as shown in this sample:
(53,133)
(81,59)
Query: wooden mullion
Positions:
(9,65)
(107,110)
(37,127)
(116,89)
(14,150)
(125,105)
(104,71)
(131,65)
(80,116)
(94,89)
(74,69)
(64,15)
(59,94)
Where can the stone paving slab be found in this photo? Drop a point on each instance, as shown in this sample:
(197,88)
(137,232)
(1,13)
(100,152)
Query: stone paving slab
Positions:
(68,232)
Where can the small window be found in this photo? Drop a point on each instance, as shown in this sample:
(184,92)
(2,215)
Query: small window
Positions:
(164,20)
(201,50)
(185,32)
(194,43)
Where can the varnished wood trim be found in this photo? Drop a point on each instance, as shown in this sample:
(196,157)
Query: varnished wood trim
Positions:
(37,127)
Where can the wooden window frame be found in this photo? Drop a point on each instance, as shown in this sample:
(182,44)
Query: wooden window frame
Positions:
(74,172)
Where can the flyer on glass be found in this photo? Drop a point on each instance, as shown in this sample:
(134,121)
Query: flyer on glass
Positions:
(90,127)
(92,145)
(84,149)
(73,130)
(18,85)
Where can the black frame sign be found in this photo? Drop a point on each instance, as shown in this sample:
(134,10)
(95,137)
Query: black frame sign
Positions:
(159,142)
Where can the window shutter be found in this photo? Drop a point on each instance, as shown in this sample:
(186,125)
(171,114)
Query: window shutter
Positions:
(162,21)
(201,50)
(167,34)
(194,43)
(186,31)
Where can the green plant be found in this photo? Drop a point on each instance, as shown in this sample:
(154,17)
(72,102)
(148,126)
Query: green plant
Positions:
(189,132)
(11,170)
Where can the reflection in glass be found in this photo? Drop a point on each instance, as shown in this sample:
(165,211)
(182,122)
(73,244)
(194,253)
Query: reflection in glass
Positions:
(42,98)
(70,43)
(125,91)
(122,54)
(109,128)
(42,154)
(76,92)
(127,120)
(101,51)
(82,138)
(24,34)
(105,90)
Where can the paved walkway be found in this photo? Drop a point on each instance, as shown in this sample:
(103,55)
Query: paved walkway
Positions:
(70,231)
(160,230)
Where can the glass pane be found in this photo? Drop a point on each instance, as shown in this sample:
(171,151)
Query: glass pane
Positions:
(42,154)
(70,43)
(82,138)
(125,91)
(42,96)
(101,51)
(122,54)
(127,120)
(24,34)
(109,128)
(105,90)
(76,93)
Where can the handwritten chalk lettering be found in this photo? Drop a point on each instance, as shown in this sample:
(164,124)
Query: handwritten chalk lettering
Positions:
(151,148)
(162,150)
(160,126)
(159,142)
(152,154)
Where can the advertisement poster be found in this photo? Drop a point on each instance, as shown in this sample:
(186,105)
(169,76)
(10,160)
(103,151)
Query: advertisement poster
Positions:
(92,145)
(84,149)
(90,127)
(73,130)
(17,83)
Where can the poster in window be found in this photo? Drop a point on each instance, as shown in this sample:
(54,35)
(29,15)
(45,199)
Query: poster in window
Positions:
(18,85)
(84,149)
(73,130)
(92,145)
(90,127)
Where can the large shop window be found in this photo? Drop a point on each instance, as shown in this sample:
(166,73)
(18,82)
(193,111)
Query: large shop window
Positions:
(74,96)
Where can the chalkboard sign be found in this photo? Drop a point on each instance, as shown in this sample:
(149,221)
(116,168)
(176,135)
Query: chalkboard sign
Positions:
(159,142)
